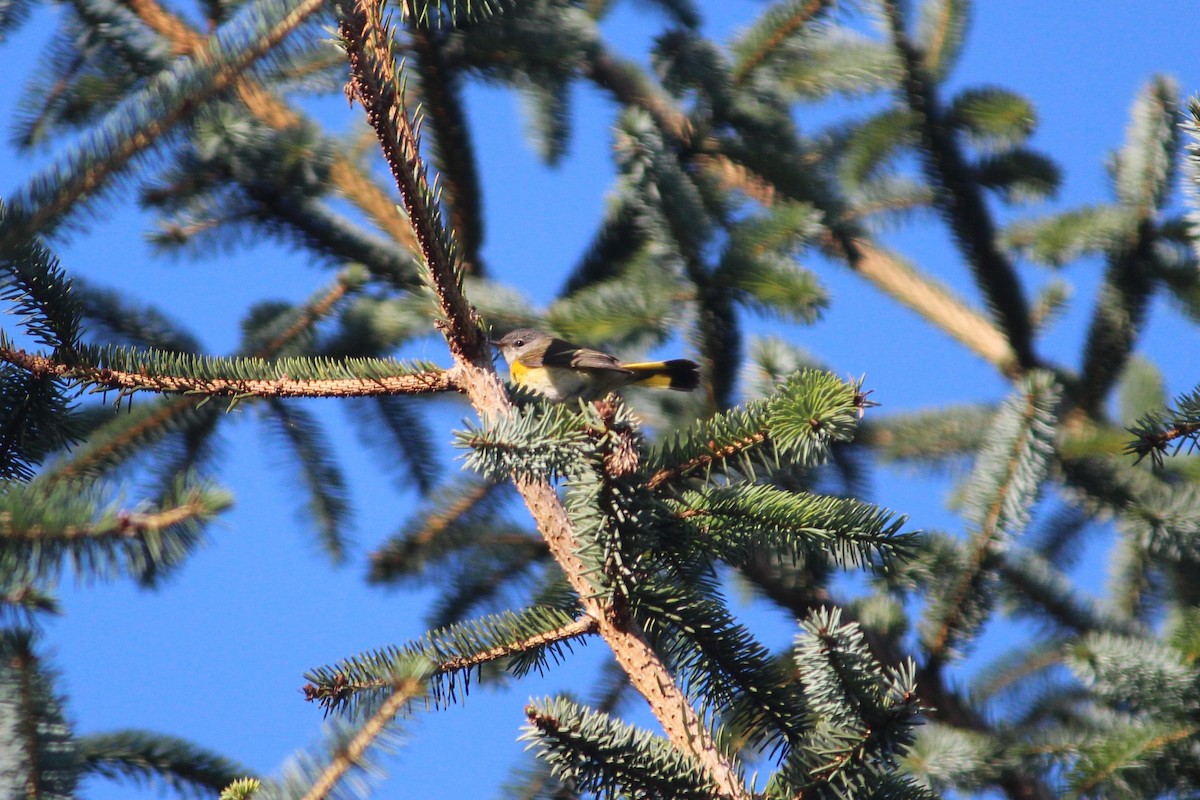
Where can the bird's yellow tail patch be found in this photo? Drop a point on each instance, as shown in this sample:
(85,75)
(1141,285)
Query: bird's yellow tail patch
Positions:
(679,374)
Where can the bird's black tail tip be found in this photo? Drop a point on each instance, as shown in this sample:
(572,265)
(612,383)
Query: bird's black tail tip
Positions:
(683,373)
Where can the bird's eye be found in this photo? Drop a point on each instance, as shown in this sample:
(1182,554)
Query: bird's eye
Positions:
(519,343)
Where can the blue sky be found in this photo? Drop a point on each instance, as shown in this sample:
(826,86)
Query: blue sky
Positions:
(217,654)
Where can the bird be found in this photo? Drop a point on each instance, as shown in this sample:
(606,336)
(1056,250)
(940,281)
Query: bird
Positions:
(562,371)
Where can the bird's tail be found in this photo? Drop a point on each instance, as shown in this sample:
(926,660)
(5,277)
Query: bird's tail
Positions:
(679,374)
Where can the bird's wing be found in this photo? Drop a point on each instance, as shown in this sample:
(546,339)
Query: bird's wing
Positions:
(564,354)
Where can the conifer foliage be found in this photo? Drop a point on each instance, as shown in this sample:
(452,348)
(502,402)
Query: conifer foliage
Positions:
(643,511)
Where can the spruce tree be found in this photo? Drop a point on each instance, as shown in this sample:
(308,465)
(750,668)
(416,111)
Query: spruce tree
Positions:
(643,511)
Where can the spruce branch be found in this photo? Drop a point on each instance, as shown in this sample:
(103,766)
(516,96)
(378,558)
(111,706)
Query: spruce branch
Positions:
(32,280)
(41,758)
(932,438)
(1191,171)
(620,310)
(1127,749)
(312,312)
(723,665)
(946,759)
(1119,314)
(241,789)
(144,757)
(442,107)
(344,173)
(717,454)
(771,30)
(548,439)
(1058,239)
(1019,175)
(885,197)
(123,438)
(808,412)
(34,409)
(1032,582)
(471,561)
(960,199)
(126,372)
(1156,432)
(596,754)
(259,179)
(1007,480)
(450,655)
(290,328)
(352,754)
(12,15)
(125,435)
(739,520)
(182,38)
(393,426)
(576,629)
(934,302)
(1144,169)
(46,527)
(621,235)
(485,570)
(376,85)
(869,149)
(20,602)
(840,60)
(110,315)
(889,273)
(993,119)
(34,421)
(317,471)
(455,503)
(677,203)
(758,263)
(862,714)
(903,282)
(147,116)
(1135,673)
(629,85)
(942,31)
(124,525)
